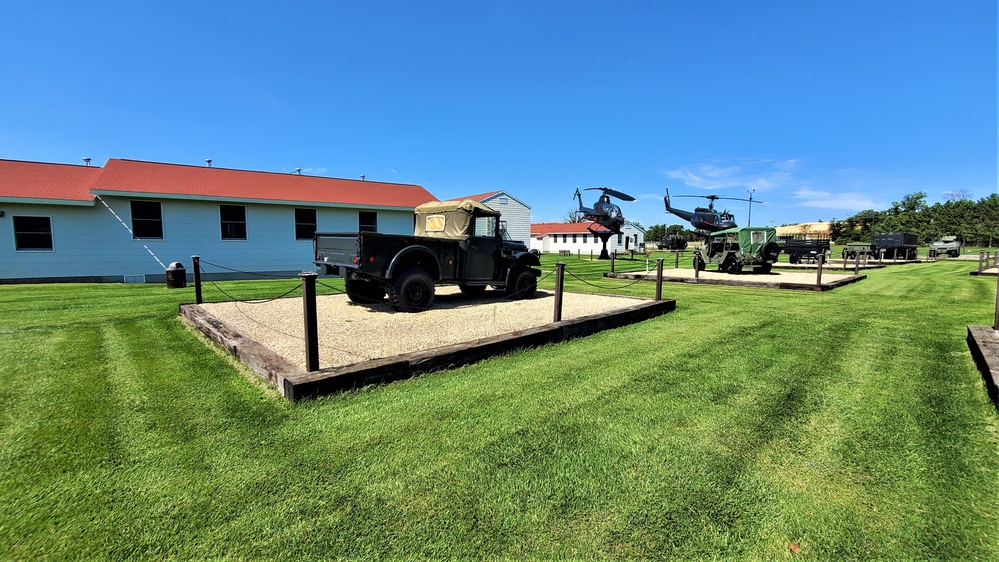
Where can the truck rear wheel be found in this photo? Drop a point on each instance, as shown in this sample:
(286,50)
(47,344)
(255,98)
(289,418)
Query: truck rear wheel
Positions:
(523,284)
(413,291)
(363,291)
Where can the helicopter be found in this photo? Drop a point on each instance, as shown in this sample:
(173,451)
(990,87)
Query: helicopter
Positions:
(604,213)
(706,219)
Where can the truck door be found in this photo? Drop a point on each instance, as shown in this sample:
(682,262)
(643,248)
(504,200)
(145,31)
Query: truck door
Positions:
(481,250)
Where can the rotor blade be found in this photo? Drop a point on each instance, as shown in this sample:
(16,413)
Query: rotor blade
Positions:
(613,193)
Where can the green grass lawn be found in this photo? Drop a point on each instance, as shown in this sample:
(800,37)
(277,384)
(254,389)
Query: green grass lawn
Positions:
(852,423)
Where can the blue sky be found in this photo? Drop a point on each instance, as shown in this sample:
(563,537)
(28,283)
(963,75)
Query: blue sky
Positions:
(823,107)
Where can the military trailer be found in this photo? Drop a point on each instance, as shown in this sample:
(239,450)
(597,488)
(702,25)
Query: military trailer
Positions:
(858,249)
(884,245)
(804,247)
(895,245)
(736,249)
(454,242)
(947,245)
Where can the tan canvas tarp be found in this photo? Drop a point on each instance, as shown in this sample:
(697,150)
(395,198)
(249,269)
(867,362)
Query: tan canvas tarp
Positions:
(449,219)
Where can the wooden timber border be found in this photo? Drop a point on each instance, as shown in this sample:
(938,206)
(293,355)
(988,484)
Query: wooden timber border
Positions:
(295,384)
(983,342)
(747,280)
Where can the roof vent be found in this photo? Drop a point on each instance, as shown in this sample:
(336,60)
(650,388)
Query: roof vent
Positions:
(86,160)
(298,171)
(209,162)
(362,177)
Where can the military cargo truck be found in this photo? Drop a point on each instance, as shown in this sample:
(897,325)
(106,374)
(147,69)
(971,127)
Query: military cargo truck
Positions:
(735,249)
(454,242)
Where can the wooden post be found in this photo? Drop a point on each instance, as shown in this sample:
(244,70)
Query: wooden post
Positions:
(676,254)
(559,284)
(613,258)
(196,264)
(995,323)
(981,256)
(697,270)
(856,264)
(659,279)
(818,278)
(311,320)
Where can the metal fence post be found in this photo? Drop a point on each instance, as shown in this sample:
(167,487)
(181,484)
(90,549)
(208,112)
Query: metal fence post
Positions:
(196,264)
(818,278)
(559,284)
(311,320)
(659,279)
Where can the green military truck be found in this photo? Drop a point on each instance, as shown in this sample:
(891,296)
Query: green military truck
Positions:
(946,245)
(454,242)
(736,249)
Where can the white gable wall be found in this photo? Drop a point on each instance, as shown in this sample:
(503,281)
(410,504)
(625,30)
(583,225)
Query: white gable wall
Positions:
(88,241)
(516,215)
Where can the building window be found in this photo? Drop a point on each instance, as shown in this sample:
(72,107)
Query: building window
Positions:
(147,220)
(502,200)
(619,239)
(32,233)
(305,224)
(585,236)
(233,222)
(573,238)
(565,238)
(367,221)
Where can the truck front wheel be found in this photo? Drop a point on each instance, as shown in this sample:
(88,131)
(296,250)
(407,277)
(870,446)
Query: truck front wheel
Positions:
(413,291)
(523,284)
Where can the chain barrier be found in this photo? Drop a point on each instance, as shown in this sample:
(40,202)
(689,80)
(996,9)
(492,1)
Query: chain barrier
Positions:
(297,286)
(615,288)
(332,288)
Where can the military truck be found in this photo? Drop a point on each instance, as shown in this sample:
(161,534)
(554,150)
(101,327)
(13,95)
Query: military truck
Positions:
(948,245)
(735,249)
(672,242)
(804,247)
(454,242)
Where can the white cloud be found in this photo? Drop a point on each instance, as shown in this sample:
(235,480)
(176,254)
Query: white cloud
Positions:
(761,175)
(849,201)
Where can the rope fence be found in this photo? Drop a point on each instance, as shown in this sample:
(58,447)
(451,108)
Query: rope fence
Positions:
(308,282)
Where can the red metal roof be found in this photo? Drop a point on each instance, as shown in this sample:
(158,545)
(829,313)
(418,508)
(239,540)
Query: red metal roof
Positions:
(202,181)
(543,228)
(38,180)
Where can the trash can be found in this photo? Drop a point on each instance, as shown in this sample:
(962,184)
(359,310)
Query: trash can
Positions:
(176,276)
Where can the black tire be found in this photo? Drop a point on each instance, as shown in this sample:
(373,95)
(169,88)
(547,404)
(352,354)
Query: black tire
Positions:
(363,291)
(793,258)
(523,284)
(472,290)
(763,268)
(413,291)
(699,264)
(729,265)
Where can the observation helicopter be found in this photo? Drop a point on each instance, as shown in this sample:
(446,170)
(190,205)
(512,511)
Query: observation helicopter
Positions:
(706,219)
(604,213)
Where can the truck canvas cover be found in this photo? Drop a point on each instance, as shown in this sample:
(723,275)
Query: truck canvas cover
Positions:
(751,239)
(449,219)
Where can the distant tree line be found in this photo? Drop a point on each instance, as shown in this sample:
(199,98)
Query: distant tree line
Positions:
(655,233)
(976,223)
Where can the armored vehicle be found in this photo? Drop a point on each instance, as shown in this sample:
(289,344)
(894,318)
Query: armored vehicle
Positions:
(454,242)
(948,245)
(735,249)
(804,247)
